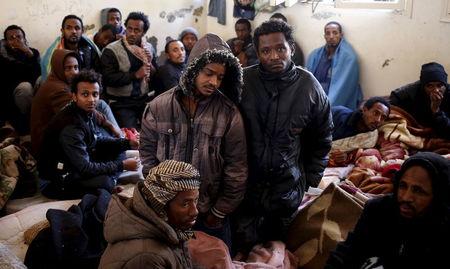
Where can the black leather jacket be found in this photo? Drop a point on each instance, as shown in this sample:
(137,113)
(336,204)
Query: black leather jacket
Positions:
(288,125)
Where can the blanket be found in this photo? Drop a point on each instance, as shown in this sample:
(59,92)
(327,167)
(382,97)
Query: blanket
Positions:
(323,223)
(344,87)
(18,176)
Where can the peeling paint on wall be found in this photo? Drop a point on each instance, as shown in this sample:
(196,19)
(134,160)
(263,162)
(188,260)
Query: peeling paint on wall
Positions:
(179,13)
(324,15)
(198,11)
(387,62)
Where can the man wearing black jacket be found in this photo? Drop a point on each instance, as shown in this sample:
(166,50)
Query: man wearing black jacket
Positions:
(75,157)
(288,124)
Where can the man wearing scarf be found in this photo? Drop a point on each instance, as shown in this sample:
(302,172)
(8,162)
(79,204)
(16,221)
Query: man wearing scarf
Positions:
(288,124)
(127,66)
(409,228)
(151,229)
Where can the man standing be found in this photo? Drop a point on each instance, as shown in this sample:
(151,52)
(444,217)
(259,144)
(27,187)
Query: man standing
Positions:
(20,68)
(241,45)
(198,122)
(288,124)
(427,100)
(151,229)
(408,229)
(72,38)
(127,66)
(349,122)
(335,66)
(168,75)
(73,158)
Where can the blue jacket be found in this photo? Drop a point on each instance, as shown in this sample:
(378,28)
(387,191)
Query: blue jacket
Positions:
(345,122)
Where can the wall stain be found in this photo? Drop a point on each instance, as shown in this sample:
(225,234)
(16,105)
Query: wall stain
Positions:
(387,62)
(198,11)
(179,13)
(323,15)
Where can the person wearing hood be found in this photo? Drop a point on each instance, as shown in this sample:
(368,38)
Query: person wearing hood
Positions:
(407,229)
(74,159)
(127,65)
(151,229)
(288,124)
(73,38)
(20,69)
(198,122)
(54,94)
(335,66)
(427,100)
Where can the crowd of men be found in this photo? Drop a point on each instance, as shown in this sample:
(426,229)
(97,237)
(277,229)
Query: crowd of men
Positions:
(224,150)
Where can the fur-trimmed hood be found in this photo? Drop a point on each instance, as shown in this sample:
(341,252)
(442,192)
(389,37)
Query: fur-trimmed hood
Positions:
(212,49)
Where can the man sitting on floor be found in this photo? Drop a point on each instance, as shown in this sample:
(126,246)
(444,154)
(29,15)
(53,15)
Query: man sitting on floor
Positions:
(407,229)
(20,68)
(427,100)
(154,226)
(74,157)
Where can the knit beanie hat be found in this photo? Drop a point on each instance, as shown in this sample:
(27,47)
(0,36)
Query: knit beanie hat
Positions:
(164,181)
(433,72)
(188,30)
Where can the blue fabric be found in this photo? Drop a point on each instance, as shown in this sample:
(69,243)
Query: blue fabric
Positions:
(344,89)
(323,72)
(344,121)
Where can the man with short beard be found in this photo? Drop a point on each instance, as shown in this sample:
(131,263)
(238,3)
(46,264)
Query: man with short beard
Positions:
(72,38)
(407,229)
(127,67)
(335,66)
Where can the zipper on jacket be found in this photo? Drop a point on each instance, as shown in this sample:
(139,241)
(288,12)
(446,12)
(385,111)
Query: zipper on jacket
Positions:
(189,141)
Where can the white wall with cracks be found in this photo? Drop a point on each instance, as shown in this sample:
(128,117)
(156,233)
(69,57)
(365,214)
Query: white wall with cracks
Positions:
(391,45)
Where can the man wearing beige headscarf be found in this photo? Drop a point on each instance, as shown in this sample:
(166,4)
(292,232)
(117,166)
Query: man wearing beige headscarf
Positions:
(150,230)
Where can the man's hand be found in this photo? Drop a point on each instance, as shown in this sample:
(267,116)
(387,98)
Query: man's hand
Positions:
(22,46)
(436,97)
(131,164)
(134,144)
(212,221)
(143,72)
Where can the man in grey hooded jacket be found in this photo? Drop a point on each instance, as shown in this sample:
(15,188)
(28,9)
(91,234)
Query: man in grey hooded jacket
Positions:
(198,122)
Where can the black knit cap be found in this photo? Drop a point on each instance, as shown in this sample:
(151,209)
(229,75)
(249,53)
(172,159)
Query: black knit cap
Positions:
(432,72)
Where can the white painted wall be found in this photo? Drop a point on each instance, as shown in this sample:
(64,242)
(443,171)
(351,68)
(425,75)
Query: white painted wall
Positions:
(376,35)
(409,40)
(42,19)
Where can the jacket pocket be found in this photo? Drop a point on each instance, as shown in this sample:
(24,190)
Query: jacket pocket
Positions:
(168,133)
(211,139)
